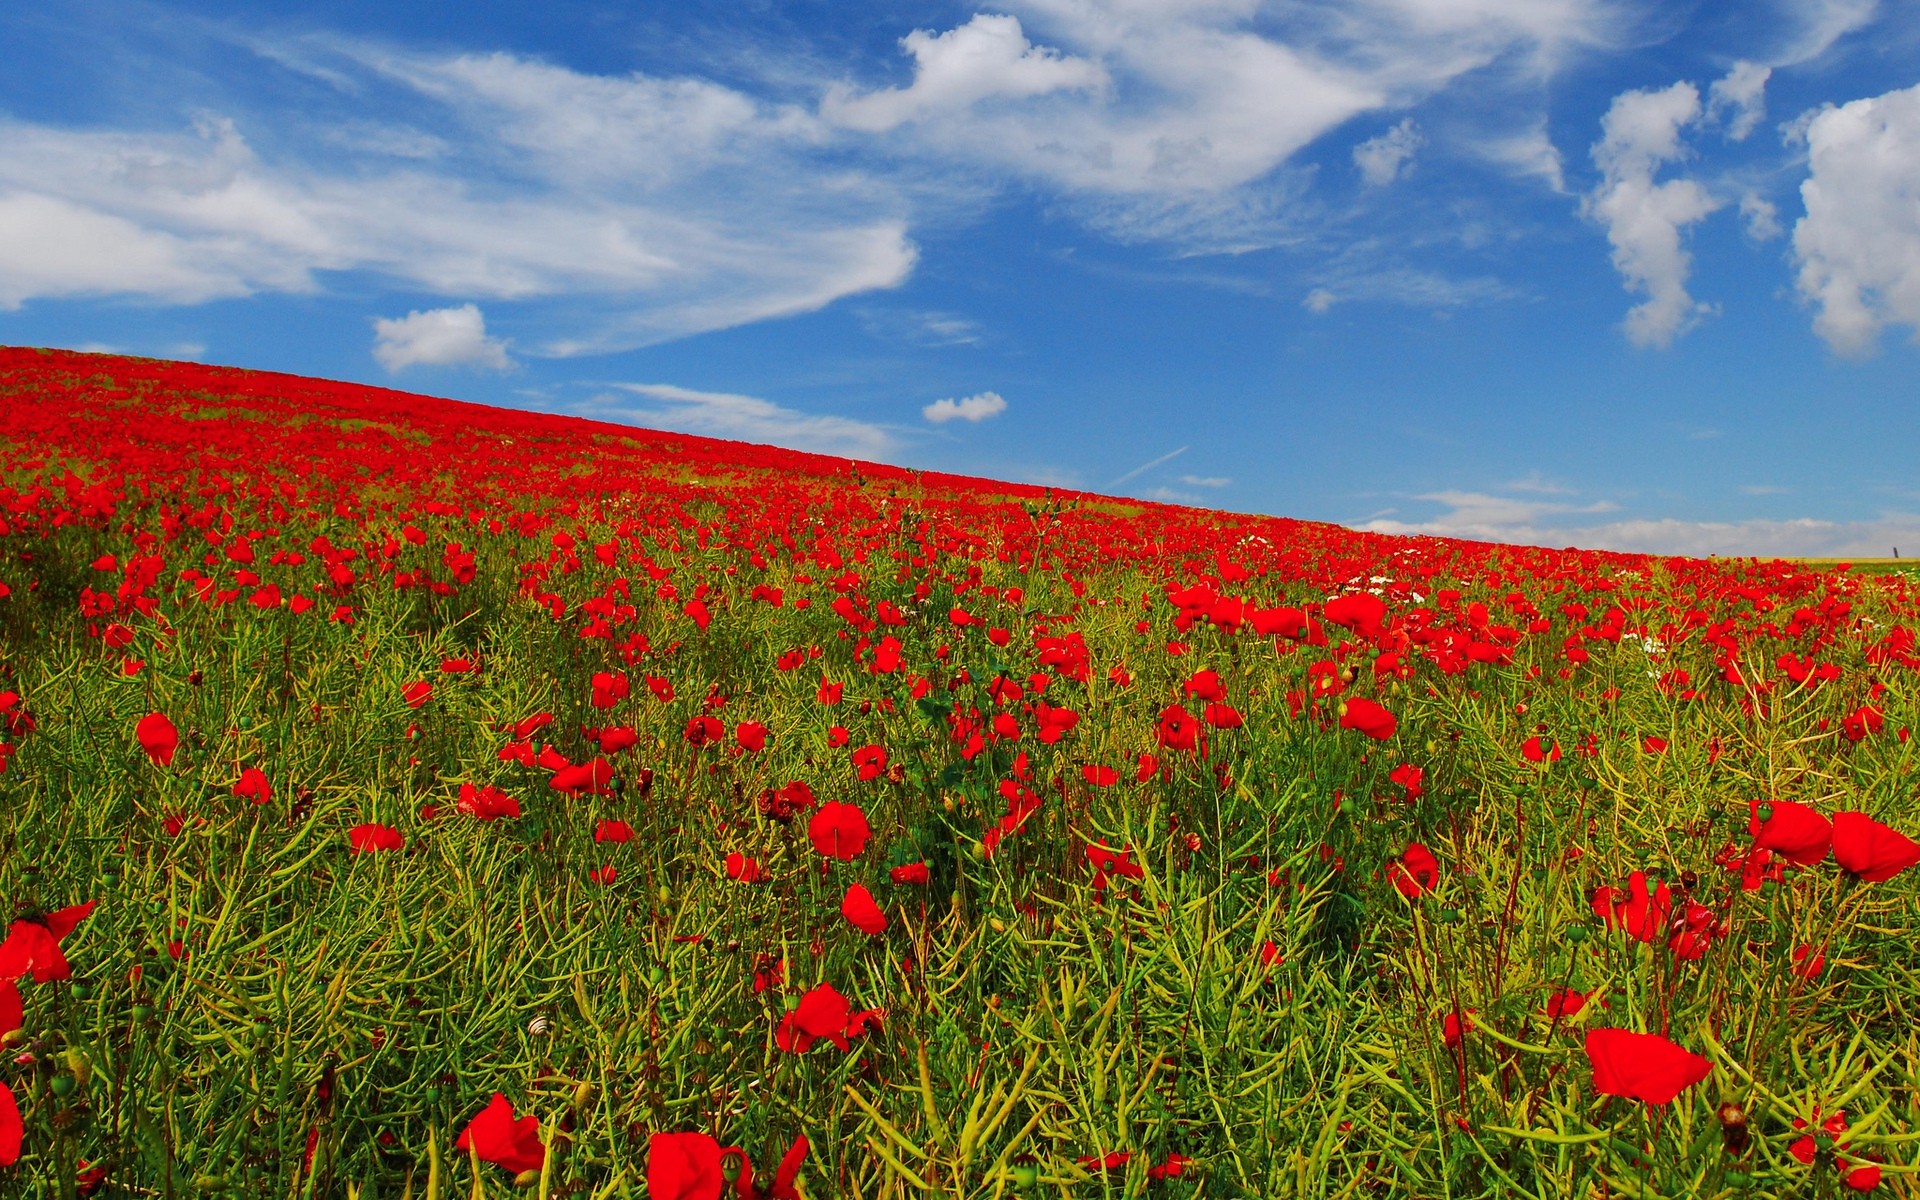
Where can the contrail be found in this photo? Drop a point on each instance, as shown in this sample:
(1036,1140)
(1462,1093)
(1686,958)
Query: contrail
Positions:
(1143,468)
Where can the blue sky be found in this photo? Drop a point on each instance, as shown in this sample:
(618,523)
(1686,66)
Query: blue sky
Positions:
(1633,275)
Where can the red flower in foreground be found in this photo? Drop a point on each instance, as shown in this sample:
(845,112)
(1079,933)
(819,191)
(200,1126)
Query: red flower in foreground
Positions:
(253,785)
(745,870)
(1642,1066)
(1414,873)
(823,1013)
(685,1166)
(1869,849)
(497,1138)
(839,831)
(12,1128)
(861,912)
(1793,831)
(364,839)
(487,803)
(610,830)
(157,737)
(34,946)
(910,873)
(416,693)
(1368,717)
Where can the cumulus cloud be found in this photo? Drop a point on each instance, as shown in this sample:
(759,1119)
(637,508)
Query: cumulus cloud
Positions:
(1640,134)
(987,58)
(1739,97)
(1175,121)
(1381,160)
(640,209)
(1319,301)
(438,337)
(1759,217)
(974,409)
(741,418)
(1858,246)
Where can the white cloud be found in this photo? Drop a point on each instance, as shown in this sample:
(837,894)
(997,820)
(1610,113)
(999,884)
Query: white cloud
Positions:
(1206,481)
(646,208)
(972,408)
(1383,159)
(1639,134)
(1530,152)
(742,418)
(1741,97)
(1859,244)
(1815,25)
(987,58)
(1481,517)
(1760,218)
(1319,301)
(1175,121)
(439,337)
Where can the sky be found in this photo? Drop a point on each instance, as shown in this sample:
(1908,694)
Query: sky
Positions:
(1616,274)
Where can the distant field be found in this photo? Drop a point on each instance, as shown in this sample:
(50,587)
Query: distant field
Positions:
(409,798)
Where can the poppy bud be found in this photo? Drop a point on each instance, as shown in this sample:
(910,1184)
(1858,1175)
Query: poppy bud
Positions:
(1577,934)
(1734,1135)
(1765,813)
(527,1178)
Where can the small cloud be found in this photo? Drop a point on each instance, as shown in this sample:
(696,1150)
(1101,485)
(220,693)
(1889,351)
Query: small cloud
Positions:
(1206,481)
(921,328)
(1383,159)
(1318,301)
(1741,96)
(438,337)
(1167,495)
(1528,153)
(972,408)
(744,418)
(1763,489)
(1760,218)
(1536,482)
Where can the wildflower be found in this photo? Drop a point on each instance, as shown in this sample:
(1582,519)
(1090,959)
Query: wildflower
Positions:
(751,736)
(839,831)
(861,912)
(496,1137)
(157,737)
(742,869)
(33,946)
(1869,850)
(12,1129)
(364,839)
(1368,717)
(487,803)
(610,830)
(416,693)
(1642,1066)
(1793,831)
(910,873)
(253,785)
(1415,872)
(822,1013)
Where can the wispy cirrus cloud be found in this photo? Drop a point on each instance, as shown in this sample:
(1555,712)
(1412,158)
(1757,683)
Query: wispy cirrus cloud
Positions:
(740,418)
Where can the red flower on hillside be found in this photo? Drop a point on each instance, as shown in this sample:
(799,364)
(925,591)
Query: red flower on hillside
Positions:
(1368,717)
(1415,873)
(12,1129)
(487,803)
(1177,729)
(416,693)
(823,1013)
(1791,830)
(1870,850)
(750,735)
(496,1137)
(1642,1066)
(839,830)
(157,737)
(253,785)
(365,839)
(33,946)
(610,830)
(861,912)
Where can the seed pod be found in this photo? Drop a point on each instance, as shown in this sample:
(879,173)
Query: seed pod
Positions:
(1734,1134)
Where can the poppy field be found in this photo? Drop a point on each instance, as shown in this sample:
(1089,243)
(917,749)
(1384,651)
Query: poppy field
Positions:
(401,797)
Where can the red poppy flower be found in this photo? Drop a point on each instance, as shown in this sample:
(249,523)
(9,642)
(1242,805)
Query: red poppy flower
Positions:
(364,839)
(615,738)
(1642,1066)
(497,1138)
(612,831)
(1368,717)
(870,761)
(861,912)
(1177,729)
(1357,611)
(1793,831)
(603,875)
(487,803)
(1540,750)
(685,1166)
(34,946)
(823,1013)
(157,737)
(1116,1160)
(1205,686)
(1863,722)
(751,735)
(1100,776)
(609,688)
(1565,1002)
(12,1129)
(416,693)
(13,1012)
(1411,778)
(1146,768)
(742,869)
(590,777)
(1870,850)
(910,873)
(253,785)
(1173,1168)
(1414,873)
(839,830)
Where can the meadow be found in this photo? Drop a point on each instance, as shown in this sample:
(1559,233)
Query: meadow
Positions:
(407,798)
